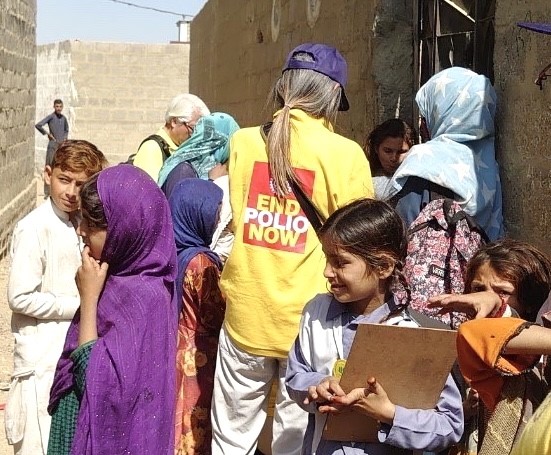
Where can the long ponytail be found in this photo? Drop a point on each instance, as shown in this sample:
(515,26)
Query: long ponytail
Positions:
(309,91)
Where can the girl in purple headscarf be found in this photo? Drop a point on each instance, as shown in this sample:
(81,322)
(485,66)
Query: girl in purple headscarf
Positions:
(114,386)
(195,206)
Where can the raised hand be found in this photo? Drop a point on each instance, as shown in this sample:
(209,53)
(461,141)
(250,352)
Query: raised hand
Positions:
(476,305)
(90,279)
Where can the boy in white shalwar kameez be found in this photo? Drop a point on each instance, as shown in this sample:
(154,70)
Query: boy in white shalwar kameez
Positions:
(42,293)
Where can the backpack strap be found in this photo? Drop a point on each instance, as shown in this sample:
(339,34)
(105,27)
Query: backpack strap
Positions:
(265,129)
(314,216)
(462,215)
(163,145)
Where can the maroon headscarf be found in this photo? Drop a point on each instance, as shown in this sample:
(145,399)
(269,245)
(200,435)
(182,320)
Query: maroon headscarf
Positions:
(129,398)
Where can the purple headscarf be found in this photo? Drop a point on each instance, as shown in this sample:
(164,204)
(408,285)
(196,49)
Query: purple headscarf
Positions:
(129,398)
(195,206)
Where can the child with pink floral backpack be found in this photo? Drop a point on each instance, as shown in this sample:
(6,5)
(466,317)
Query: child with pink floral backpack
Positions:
(441,241)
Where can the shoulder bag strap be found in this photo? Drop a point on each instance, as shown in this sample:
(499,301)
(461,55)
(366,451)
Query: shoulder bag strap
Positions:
(163,145)
(310,210)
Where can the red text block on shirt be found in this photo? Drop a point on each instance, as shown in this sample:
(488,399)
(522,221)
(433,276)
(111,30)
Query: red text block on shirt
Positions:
(272,222)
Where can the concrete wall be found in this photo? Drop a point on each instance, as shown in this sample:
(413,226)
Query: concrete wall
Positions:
(239,47)
(524,120)
(53,80)
(17,112)
(114,94)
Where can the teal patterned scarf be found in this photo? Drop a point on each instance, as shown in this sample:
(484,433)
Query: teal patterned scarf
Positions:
(207,146)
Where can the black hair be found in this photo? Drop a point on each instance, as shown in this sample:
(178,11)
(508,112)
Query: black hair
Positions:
(58,101)
(372,231)
(395,128)
(91,205)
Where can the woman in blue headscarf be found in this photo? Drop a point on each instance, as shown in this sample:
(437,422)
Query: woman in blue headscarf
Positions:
(206,149)
(195,206)
(458,108)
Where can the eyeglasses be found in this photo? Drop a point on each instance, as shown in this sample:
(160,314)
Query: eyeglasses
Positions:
(189,128)
(544,74)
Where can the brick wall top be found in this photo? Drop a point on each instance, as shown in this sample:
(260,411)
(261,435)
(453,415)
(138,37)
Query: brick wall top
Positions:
(115,93)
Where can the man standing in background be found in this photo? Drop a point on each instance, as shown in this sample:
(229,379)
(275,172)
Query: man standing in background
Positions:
(58,131)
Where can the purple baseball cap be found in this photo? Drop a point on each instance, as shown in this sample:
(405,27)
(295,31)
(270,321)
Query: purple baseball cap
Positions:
(325,60)
(539,27)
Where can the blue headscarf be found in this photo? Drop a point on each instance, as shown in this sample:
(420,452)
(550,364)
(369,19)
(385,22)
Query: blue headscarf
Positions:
(459,108)
(207,146)
(195,206)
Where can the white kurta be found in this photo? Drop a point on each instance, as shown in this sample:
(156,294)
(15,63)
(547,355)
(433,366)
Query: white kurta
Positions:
(43,296)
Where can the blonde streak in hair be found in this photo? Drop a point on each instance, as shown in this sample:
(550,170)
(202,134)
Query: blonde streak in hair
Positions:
(85,158)
(279,151)
(306,90)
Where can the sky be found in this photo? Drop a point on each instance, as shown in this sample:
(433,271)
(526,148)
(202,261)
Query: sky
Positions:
(111,21)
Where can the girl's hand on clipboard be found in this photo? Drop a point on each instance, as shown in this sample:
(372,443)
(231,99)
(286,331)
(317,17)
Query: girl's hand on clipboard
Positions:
(371,400)
(324,393)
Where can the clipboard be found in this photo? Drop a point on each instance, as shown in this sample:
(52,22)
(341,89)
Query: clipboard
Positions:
(411,364)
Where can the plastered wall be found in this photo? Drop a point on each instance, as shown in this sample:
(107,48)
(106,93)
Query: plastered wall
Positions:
(115,94)
(17,112)
(235,59)
(239,47)
(524,120)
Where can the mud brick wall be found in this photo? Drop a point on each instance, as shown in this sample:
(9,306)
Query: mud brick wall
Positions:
(524,120)
(238,49)
(17,113)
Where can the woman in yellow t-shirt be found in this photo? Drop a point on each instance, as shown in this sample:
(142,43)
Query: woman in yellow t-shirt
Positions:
(276,264)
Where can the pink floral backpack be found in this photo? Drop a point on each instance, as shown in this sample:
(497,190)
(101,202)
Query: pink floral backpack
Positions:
(441,241)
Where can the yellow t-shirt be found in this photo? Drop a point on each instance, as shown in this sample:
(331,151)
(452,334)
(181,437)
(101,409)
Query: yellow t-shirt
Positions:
(150,157)
(276,263)
(536,437)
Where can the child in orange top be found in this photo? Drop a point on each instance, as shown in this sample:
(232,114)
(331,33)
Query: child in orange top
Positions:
(503,278)
(513,346)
